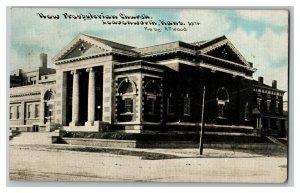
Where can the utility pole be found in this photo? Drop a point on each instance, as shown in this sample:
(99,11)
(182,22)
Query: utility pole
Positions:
(202,123)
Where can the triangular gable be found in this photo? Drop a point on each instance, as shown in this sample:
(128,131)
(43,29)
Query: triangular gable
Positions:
(82,46)
(224,49)
(83,49)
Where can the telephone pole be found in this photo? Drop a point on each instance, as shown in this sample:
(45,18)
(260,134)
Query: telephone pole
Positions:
(202,123)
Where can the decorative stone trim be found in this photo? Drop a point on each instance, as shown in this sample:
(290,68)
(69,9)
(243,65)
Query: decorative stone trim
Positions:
(25,94)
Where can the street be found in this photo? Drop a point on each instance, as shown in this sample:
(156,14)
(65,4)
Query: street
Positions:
(76,163)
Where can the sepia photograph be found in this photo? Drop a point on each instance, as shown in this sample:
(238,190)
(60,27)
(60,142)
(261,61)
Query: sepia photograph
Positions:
(148,95)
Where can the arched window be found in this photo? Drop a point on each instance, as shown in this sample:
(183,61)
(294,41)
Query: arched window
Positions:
(49,105)
(222,98)
(48,96)
(151,88)
(127,90)
(152,91)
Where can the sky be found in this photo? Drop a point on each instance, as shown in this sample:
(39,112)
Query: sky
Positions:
(260,35)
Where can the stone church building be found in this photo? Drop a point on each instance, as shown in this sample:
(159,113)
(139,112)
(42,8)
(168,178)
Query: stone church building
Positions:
(103,85)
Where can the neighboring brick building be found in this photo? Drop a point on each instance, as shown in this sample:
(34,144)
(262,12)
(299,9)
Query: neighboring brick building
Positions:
(268,112)
(158,88)
(28,97)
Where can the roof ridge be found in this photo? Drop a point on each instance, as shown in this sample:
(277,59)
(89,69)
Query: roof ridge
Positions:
(105,40)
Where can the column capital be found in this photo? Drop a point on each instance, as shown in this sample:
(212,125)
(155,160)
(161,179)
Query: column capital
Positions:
(90,69)
(74,72)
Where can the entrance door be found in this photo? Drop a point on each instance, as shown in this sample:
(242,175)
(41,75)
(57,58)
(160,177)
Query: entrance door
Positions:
(35,128)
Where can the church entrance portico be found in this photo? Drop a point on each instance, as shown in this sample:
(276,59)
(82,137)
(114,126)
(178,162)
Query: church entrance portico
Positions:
(84,96)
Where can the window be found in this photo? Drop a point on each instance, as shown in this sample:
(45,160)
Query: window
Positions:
(49,96)
(222,99)
(151,106)
(18,112)
(186,106)
(220,110)
(152,91)
(126,88)
(128,105)
(258,103)
(28,111)
(10,112)
(37,112)
(170,105)
(126,91)
(268,105)
(277,107)
(247,115)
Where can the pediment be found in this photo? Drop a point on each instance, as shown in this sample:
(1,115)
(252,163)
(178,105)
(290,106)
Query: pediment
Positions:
(226,53)
(80,47)
(225,50)
(83,49)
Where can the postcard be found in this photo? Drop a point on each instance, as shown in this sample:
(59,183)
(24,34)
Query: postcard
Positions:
(148,95)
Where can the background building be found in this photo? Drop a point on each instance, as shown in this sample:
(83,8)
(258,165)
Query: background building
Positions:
(30,97)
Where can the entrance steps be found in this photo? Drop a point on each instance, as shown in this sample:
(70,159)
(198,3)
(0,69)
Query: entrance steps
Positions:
(34,138)
(274,140)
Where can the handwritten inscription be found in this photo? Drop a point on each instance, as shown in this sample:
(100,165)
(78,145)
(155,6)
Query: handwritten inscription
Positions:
(148,23)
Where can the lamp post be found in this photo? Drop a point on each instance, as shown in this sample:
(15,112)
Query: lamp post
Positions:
(98,108)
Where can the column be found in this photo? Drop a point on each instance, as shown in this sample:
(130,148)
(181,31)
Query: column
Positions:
(91,97)
(75,98)
(259,123)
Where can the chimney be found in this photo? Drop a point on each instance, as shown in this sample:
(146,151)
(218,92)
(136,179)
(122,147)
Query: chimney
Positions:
(43,60)
(274,84)
(260,80)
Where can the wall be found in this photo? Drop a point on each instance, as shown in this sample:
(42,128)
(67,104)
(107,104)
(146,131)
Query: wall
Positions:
(190,79)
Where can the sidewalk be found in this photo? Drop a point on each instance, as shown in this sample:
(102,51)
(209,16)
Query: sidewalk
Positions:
(156,153)
(80,163)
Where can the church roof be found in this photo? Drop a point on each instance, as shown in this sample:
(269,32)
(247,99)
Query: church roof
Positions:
(111,43)
(171,46)
(206,43)
(92,46)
